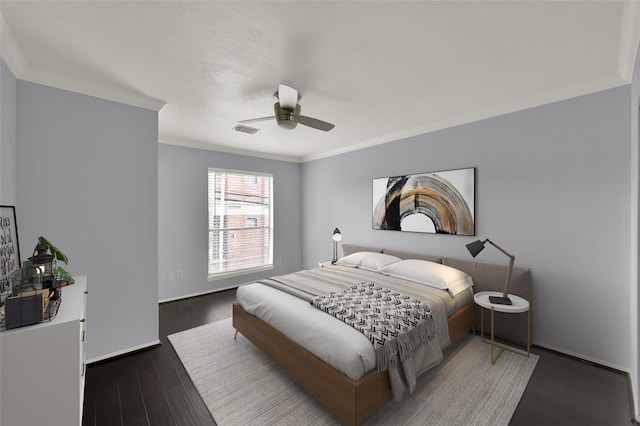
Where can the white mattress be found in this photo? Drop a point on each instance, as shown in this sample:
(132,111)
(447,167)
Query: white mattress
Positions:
(328,338)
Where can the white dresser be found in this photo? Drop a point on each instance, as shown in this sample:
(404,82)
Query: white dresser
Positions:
(42,366)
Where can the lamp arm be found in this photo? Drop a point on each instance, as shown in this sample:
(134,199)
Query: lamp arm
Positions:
(500,248)
(507,281)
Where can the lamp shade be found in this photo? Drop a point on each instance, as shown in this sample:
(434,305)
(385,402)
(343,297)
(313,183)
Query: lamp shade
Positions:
(337,236)
(475,247)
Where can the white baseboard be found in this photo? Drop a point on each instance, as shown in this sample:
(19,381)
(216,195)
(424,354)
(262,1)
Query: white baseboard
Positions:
(202,293)
(635,400)
(584,357)
(124,351)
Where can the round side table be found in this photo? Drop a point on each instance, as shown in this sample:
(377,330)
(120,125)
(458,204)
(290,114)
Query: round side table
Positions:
(519,305)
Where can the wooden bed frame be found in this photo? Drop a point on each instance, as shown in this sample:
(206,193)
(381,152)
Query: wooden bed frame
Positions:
(353,401)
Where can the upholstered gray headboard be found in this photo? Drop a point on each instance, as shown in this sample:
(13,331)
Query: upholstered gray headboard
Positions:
(486,277)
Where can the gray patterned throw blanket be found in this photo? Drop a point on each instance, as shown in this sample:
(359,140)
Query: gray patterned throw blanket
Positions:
(396,324)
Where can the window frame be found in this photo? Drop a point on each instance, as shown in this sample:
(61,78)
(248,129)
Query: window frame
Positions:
(249,270)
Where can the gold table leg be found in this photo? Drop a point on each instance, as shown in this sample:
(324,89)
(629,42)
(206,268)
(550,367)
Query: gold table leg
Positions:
(493,344)
(503,348)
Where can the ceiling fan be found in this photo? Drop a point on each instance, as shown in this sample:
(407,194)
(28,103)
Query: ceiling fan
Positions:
(287,111)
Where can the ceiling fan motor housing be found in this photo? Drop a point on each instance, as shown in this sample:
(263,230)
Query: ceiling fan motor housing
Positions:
(285,117)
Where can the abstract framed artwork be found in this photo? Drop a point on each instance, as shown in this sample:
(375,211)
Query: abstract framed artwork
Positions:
(9,249)
(436,202)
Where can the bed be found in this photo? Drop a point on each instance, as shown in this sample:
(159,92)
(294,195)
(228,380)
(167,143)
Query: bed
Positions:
(356,399)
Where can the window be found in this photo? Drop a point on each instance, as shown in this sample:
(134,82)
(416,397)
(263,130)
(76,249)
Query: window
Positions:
(240,223)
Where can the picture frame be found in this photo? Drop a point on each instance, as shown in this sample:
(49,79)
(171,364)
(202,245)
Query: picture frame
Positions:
(434,202)
(9,247)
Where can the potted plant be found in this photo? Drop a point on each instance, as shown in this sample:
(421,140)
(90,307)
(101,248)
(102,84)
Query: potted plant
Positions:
(44,248)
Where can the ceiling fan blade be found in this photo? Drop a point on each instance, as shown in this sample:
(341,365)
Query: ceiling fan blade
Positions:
(252,120)
(288,97)
(315,123)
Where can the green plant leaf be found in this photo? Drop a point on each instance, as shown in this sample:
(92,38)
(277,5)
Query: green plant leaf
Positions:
(59,255)
(60,273)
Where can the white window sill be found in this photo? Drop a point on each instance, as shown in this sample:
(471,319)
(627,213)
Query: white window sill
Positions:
(239,272)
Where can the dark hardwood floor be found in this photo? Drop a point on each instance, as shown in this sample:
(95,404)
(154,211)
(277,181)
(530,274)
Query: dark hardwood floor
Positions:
(151,387)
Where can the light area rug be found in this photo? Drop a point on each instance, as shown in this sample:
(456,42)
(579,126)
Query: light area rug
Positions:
(242,386)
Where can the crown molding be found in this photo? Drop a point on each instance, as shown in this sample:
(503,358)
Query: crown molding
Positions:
(13,57)
(494,111)
(9,50)
(90,89)
(629,38)
(189,143)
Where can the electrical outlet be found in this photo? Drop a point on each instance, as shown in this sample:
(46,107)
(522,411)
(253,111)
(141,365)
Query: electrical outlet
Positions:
(171,276)
(180,274)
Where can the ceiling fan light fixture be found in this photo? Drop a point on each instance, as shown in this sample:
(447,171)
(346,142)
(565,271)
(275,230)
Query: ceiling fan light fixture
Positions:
(287,112)
(286,118)
(287,96)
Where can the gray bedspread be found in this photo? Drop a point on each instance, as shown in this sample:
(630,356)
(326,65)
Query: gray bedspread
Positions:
(310,283)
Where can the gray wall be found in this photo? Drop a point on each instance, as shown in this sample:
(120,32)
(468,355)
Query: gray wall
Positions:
(182,217)
(552,187)
(87,179)
(8,86)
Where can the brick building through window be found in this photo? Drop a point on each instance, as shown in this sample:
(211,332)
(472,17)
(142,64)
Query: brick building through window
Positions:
(240,221)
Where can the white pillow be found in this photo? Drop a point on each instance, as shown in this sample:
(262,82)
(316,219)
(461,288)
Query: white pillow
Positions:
(430,273)
(368,260)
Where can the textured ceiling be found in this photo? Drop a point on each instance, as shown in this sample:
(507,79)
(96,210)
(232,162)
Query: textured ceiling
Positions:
(379,71)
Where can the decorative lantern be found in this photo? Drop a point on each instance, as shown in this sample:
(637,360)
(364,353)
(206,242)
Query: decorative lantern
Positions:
(43,264)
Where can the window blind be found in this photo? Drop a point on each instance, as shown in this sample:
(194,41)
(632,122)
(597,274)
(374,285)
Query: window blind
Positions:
(240,221)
